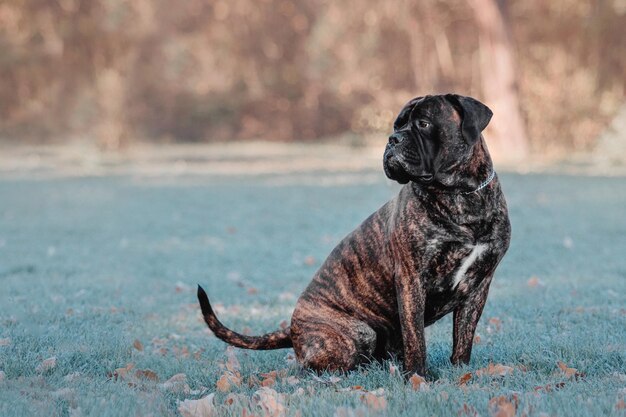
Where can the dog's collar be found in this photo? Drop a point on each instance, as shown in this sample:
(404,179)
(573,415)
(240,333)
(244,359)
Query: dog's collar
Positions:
(483,184)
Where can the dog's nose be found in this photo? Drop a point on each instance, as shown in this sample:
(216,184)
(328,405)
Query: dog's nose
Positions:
(395,138)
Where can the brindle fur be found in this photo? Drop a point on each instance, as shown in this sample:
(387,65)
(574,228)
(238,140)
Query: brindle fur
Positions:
(393,275)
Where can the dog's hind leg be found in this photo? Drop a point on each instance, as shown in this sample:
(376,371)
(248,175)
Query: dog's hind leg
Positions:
(338,346)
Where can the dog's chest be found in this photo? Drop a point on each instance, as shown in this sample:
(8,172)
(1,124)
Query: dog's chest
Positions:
(453,266)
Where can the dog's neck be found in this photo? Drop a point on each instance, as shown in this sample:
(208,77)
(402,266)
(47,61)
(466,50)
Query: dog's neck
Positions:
(473,177)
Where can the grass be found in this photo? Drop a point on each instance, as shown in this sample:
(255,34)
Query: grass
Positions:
(89,265)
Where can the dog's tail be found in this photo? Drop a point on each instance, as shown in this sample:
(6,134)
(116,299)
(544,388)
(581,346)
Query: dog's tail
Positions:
(276,340)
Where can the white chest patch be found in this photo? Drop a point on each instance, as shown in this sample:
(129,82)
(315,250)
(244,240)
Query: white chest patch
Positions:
(477,250)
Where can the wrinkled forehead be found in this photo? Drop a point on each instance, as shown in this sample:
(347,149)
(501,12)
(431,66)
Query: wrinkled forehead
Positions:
(433,107)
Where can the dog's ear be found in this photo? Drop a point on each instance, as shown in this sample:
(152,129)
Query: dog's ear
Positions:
(403,117)
(475,116)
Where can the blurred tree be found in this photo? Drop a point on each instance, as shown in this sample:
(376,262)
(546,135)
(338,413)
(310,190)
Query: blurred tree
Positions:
(121,70)
(499,80)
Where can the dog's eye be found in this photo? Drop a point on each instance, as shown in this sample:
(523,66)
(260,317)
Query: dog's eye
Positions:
(423,124)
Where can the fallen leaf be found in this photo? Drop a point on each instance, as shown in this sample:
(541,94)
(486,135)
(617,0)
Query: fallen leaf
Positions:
(568,242)
(270,402)
(620,405)
(240,400)
(223,383)
(309,260)
(252,291)
(477,339)
(495,322)
(203,407)
(146,374)
(122,373)
(47,364)
(290,358)
(283,324)
(495,370)
(268,382)
(418,383)
(138,345)
(286,296)
(182,287)
(465,378)
(232,363)
(534,282)
(549,387)
(5,341)
(502,407)
(177,383)
(373,401)
(569,372)
(292,380)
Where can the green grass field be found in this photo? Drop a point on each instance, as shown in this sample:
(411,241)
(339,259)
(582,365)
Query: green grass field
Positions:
(88,266)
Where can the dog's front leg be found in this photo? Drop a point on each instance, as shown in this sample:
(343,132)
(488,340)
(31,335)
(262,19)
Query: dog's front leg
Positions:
(411,302)
(466,318)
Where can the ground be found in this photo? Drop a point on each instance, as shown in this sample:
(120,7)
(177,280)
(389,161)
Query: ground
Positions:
(98,271)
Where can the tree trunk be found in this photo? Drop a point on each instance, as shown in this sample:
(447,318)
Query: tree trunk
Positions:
(507,133)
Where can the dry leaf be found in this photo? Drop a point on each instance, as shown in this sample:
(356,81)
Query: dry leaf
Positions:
(309,261)
(534,282)
(465,378)
(373,401)
(292,380)
(477,339)
(237,399)
(146,374)
(496,322)
(268,382)
(549,387)
(283,324)
(5,341)
(203,407)
(138,345)
(47,364)
(122,373)
(226,381)
(495,370)
(232,363)
(502,407)
(418,383)
(569,372)
(620,405)
(270,402)
(393,370)
(177,383)
(252,291)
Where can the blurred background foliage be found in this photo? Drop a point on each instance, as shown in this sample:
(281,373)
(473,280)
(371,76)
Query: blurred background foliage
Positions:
(119,71)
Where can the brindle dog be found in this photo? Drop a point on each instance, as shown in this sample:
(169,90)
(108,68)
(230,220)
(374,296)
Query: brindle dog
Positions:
(431,250)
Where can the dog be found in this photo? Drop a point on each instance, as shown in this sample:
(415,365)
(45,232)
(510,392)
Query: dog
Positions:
(429,251)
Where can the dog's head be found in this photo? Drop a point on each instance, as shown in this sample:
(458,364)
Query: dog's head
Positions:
(433,137)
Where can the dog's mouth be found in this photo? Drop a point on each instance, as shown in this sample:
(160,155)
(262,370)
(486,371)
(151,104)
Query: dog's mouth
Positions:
(398,169)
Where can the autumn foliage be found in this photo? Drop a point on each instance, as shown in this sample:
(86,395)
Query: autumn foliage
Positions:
(123,70)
